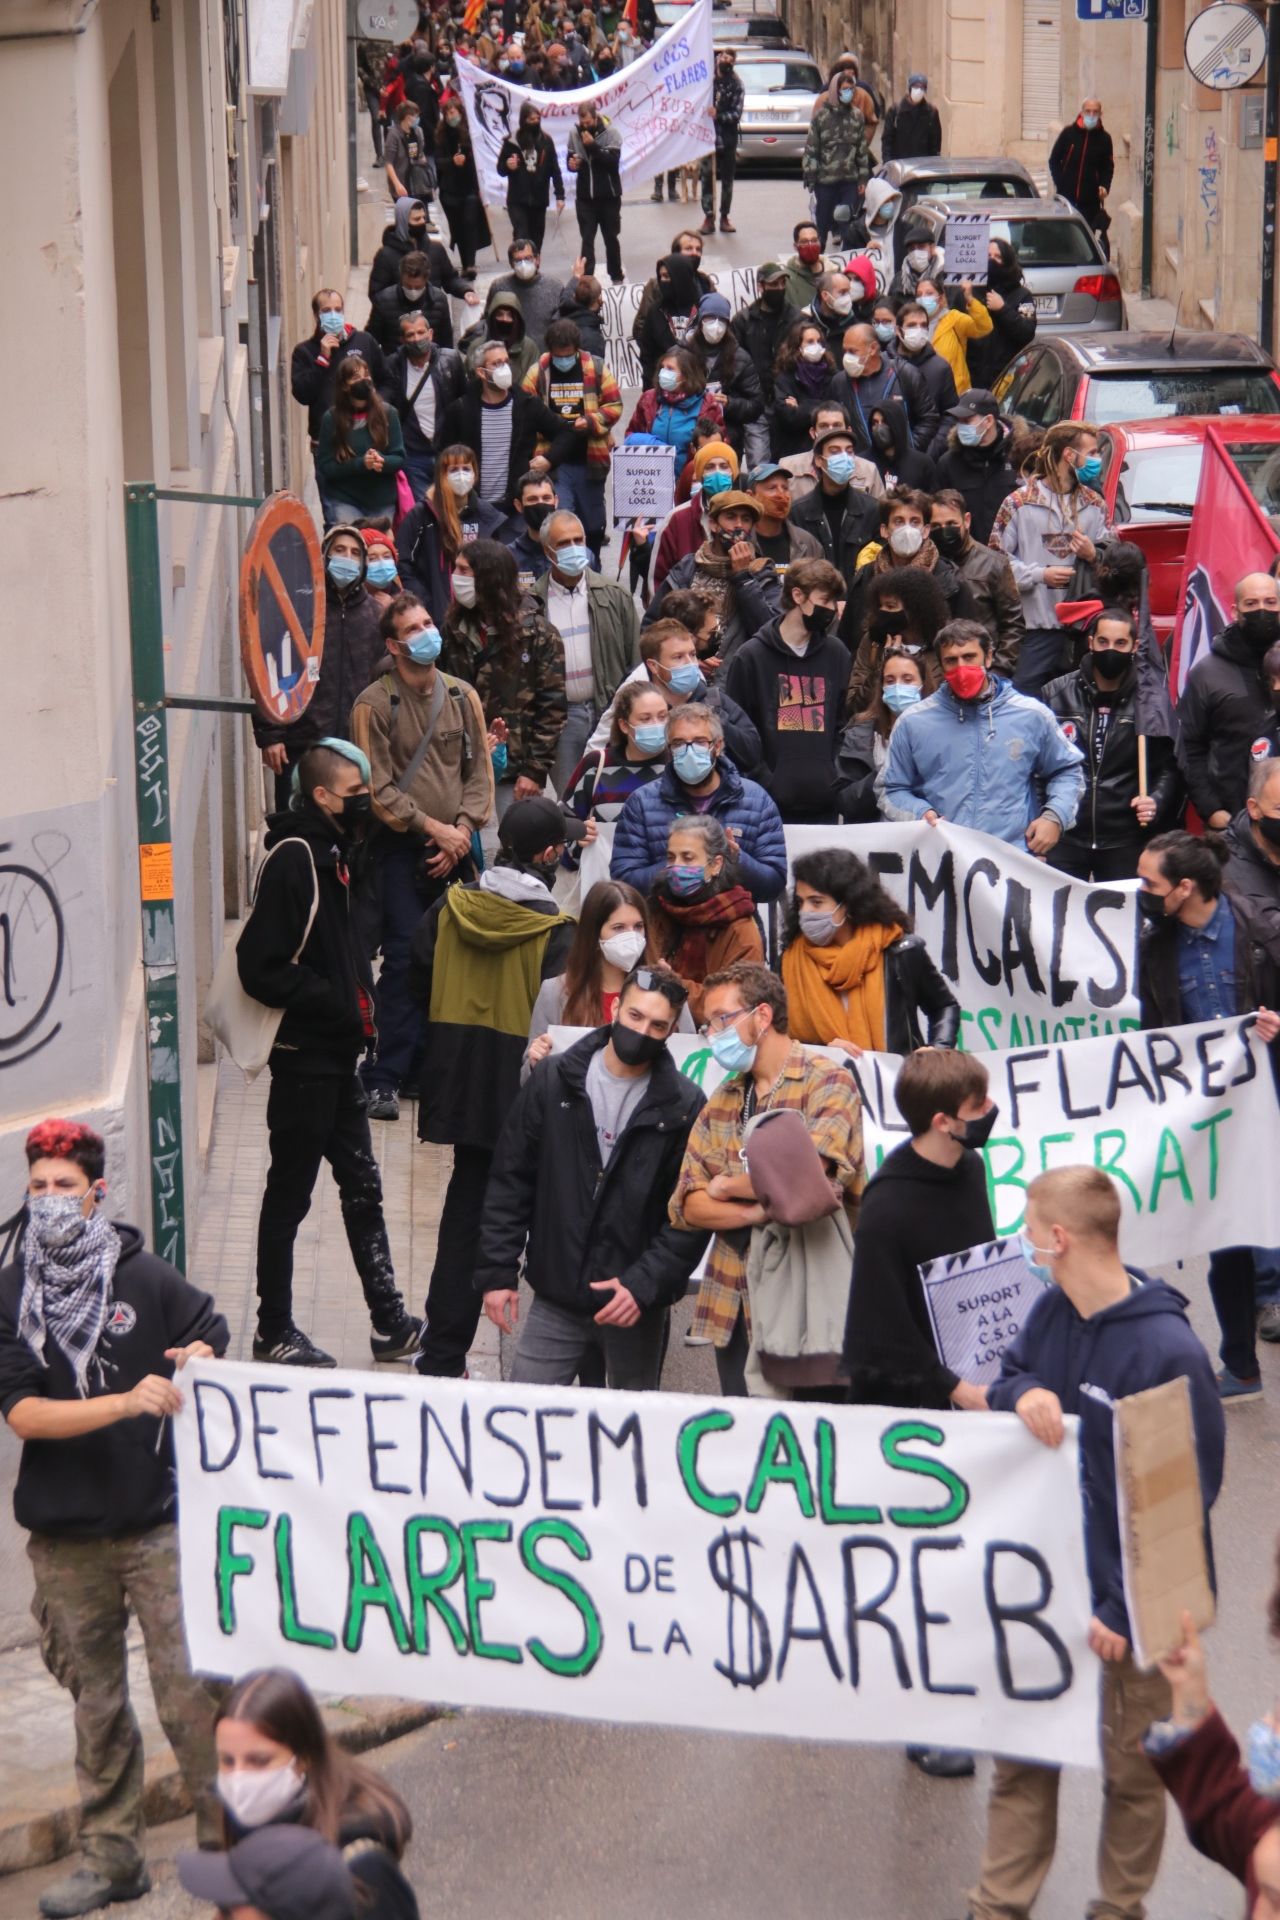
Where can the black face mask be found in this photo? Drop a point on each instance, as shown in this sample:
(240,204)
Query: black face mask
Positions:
(357,808)
(819,620)
(976,1133)
(361,389)
(886,626)
(1110,662)
(882,436)
(1151,906)
(1269,828)
(418,234)
(1259,628)
(772,298)
(535,515)
(948,539)
(633,1048)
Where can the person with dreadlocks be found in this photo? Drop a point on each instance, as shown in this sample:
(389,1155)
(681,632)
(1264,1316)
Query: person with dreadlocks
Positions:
(93,1329)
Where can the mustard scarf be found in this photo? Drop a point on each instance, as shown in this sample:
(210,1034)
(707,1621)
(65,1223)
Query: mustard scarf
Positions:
(820,980)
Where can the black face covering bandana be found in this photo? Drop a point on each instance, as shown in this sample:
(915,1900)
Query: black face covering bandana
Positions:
(1260,628)
(633,1048)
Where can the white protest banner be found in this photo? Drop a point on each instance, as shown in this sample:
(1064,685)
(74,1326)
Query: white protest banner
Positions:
(968,236)
(825,1572)
(1176,1116)
(644,482)
(978,1302)
(1031,954)
(660,105)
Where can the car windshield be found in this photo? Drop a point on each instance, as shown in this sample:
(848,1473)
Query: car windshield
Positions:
(982,186)
(1051,243)
(735,32)
(1125,395)
(1259,462)
(1159,483)
(779,76)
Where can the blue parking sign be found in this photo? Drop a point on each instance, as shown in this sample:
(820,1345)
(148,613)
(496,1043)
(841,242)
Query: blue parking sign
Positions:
(1111,9)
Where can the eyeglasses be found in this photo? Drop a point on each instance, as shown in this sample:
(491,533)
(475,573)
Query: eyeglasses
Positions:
(720,1022)
(652,980)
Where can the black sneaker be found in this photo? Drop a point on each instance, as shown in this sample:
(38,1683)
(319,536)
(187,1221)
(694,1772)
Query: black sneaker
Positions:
(292,1349)
(383,1104)
(402,1344)
(87,1889)
(942,1763)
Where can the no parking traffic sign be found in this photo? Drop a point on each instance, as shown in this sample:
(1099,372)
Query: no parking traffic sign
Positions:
(282,608)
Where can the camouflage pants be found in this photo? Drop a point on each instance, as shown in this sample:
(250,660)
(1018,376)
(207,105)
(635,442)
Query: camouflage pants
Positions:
(85,1592)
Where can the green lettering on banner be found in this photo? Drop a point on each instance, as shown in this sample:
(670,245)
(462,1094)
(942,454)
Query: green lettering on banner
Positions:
(891,1445)
(570,1665)
(479,1589)
(290,1625)
(832,1514)
(781,1462)
(231,1564)
(427,1589)
(1112,1165)
(690,1438)
(1010,1177)
(1210,1126)
(1048,1140)
(695,1067)
(371,1589)
(1178,1171)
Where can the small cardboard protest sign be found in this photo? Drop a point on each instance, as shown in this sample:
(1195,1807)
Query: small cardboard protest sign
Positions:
(644,482)
(965,247)
(978,1303)
(1166,1571)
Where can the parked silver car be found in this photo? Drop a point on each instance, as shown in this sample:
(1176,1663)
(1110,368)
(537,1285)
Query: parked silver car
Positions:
(782,90)
(1075,287)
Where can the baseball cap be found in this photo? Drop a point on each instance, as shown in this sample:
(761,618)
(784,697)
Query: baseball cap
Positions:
(766,471)
(288,1872)
(970,405)
(771,270)
(531,826)
(719,502)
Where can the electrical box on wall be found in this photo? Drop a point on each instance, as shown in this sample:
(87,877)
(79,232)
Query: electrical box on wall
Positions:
(1251,120)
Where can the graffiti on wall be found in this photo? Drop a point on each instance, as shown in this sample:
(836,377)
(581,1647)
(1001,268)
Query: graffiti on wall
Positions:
(1209,170)
(52,1035)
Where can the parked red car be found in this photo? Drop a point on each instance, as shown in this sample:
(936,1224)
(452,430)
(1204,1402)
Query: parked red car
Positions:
(1151,471)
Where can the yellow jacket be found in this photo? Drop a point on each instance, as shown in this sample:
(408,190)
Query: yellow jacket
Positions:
(952,335)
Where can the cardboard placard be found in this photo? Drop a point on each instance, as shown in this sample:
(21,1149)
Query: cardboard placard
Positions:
(1166,1571)
(968,236)
(978,1302)
(644,482)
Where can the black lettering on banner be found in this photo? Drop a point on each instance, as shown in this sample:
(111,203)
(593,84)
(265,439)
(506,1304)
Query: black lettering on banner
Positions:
(207,1465)
(925,1619)
(1017,939)
(1121,1082)
(515,1499)
(988,969)
(876,1095)
(1071,1111)
(1165,1057)
(1060,990)
(319,1433)
(1024,1614)
(799,1564)
(630,1431)
(1096,903)
(462,1461)
(941,887)
(1211,1087)
(758,1659)
(868,1612)
(1249,1070)
(377,1446)
(263,1432)
(547,1456)
(1016,1086)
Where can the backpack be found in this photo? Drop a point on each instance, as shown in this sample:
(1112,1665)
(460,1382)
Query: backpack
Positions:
(246,1027)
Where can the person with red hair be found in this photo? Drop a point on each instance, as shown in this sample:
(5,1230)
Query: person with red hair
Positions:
(93,1329)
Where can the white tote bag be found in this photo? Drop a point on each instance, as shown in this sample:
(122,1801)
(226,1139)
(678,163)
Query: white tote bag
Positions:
(245,1027)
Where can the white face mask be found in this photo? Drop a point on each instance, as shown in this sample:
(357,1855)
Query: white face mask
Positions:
(525,269)
(917,95)
(463,587)
(713,331)
(623,949)
(854,365)
(499,376)
(254,1797)
(913,338)
(841,303)
(461,480)
(906,540)
(812,350)
(917,258)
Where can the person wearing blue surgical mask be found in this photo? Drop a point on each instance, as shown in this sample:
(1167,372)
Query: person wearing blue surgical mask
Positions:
(864,744)
(382,573)
(596,621)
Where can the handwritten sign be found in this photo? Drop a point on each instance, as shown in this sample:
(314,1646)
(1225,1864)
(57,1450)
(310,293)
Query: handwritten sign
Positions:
(644,482)
(978,1303)
(968,237)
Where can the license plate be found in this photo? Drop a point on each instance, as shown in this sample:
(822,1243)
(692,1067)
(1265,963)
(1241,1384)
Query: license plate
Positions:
(1047,303)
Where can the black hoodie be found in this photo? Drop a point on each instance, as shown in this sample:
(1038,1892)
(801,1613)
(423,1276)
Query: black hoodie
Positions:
(673,316)
(1228,720)
(912,1211)
(982,474)
(797,702)
(119,1480)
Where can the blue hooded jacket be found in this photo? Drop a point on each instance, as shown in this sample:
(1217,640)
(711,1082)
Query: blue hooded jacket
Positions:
(994,764)
(640,836)
(1142,1341)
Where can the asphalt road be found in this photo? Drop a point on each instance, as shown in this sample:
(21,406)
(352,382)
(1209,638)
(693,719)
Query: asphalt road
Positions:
(558,1820)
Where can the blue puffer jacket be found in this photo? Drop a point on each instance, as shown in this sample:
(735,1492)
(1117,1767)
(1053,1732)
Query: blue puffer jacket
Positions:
(993,764)
(640,837)
(1141,1341)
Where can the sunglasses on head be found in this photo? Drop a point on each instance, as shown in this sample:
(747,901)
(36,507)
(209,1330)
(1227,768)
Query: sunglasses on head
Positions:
(652,980)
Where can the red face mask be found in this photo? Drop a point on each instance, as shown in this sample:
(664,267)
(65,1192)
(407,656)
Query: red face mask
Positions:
(967,680)
(809,251)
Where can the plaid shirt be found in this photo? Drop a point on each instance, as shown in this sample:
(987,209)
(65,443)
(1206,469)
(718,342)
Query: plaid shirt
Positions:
(824,1092)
